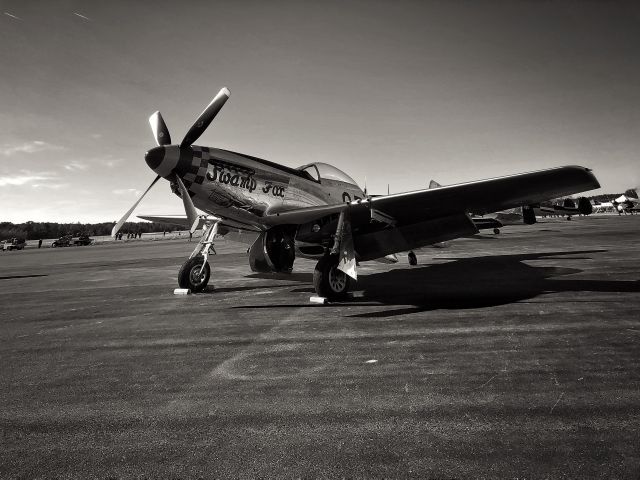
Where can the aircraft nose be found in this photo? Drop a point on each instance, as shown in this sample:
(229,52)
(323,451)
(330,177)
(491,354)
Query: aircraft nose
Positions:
(163,160)
(154,157)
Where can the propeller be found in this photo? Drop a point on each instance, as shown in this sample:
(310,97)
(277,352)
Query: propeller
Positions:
(189,208)
(160,130)
(118,226)
(163,138)
(205,118)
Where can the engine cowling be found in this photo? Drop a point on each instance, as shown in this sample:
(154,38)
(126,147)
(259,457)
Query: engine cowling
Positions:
(273,251)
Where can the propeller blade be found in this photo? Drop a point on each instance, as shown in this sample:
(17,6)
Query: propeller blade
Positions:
(118,226)
(205,118)
(160,130)
(189,208)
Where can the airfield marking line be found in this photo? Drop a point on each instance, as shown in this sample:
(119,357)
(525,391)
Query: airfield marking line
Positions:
(222,369)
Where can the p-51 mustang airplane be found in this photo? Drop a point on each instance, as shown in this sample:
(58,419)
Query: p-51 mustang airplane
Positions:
(318,211)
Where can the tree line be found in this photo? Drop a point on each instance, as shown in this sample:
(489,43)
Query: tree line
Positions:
(37,230)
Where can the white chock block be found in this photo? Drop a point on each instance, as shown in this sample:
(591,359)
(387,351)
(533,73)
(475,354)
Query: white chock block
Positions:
(320,300)
(182,291)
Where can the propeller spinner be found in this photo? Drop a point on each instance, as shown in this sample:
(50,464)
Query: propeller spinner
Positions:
(164,157)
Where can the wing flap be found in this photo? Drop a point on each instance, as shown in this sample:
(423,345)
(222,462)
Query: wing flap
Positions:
(407,237)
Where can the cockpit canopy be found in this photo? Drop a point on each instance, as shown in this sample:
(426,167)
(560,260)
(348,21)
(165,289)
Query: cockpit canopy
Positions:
(318,171)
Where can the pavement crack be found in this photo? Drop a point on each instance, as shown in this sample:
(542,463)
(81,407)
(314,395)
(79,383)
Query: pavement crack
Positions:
(557,401)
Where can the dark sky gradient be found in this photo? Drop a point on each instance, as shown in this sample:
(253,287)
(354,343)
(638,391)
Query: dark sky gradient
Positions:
(399,92)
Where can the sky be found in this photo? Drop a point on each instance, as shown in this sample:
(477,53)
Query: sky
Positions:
(397,92)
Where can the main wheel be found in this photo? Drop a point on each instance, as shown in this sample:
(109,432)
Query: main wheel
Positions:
(328,281)
(189,275)
(413,259)
(496,231)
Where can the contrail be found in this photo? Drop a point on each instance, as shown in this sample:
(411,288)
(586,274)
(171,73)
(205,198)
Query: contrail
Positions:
(12,16)
(81,16)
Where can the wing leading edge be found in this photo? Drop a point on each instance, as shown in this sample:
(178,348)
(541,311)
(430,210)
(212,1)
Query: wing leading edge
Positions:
(486,196)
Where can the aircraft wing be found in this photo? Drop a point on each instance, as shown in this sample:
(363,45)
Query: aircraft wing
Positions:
(302,215)
(485,196)
(230,232)
(479,197)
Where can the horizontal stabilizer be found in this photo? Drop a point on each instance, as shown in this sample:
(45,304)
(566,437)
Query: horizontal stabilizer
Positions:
(229,232)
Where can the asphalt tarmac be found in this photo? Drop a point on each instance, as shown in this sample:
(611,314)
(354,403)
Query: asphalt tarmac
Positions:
(500,356)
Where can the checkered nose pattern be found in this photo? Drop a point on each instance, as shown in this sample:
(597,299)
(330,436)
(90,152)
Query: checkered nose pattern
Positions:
(163,160)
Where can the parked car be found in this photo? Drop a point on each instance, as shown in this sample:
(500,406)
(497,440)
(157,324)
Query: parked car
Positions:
(14,244)
(63,241)
(83,240)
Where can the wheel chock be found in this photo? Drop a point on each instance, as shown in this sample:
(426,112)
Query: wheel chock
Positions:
(319,300)
(182,291)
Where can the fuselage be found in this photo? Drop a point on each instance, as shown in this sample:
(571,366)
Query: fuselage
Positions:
(242,189)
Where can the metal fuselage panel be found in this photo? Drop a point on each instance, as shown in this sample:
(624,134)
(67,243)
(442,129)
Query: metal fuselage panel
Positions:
(242,189)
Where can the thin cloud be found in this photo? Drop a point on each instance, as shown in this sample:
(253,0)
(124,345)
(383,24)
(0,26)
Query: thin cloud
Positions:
(51,186)
(21,179)
(34,146)
(127,191)
(76,166)
(114,162)
(81,16)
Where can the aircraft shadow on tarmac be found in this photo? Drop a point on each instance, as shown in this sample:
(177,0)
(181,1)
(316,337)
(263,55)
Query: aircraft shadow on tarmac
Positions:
(211,289)
(475,282)
(305,277)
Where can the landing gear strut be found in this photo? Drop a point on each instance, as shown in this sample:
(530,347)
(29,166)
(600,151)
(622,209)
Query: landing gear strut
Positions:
(195,272)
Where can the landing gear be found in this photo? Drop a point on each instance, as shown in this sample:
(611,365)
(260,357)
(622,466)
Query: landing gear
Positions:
(413,260)
(568,217)
(194,274)
(328,281)
(496,231)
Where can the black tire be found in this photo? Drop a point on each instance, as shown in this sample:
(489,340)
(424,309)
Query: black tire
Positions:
(188,274)
(54,245)
(413,259)
(328,281)
(496,231)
